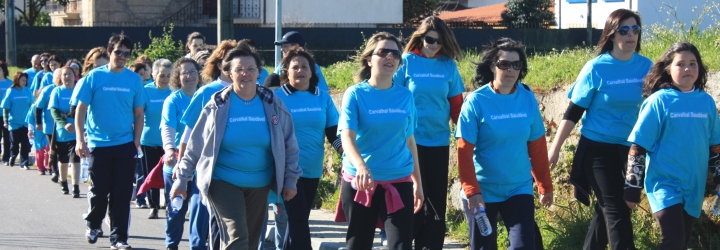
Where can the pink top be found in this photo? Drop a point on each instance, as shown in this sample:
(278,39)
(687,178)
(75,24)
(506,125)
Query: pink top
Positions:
(392,197)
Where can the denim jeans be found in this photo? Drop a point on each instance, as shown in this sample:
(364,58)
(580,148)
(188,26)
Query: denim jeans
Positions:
(199,218)
(281,221)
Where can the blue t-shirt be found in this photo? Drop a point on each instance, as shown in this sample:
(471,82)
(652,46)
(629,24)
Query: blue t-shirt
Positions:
(383,120)
(18,101)
(245,157)
(677,129)
(73,99)
(311,113)
(500,126)
(37,80)
(432,81)
(47,80)
(60,99)
(43,102)
(111,99)
(39,139)
(201,97)
(322,84)
(4,86)
(153,115)
(173,109)
(611,92)
(31,72)
(263,74)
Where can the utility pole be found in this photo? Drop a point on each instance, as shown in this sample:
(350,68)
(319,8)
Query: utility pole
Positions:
(225,20)
(589,23)
(10,42)
(278,30)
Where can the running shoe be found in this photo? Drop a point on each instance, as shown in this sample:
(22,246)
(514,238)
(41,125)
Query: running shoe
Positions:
(120,245)
(91,235)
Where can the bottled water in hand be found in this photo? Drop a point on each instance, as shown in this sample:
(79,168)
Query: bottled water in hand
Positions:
(716,205)
(176,204)
(483,222)
(84,169)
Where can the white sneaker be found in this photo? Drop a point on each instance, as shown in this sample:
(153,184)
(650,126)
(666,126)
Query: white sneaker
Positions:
(91,235)
(120,245)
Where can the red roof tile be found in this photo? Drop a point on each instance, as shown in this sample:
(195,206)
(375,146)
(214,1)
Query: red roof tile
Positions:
(487,14)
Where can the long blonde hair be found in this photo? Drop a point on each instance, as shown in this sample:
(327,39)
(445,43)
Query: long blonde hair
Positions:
(449,45)
(364,72)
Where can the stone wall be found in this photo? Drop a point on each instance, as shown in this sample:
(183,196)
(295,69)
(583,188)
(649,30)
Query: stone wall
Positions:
(135,11)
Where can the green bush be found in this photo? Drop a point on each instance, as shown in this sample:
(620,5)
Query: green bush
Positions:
(163,46)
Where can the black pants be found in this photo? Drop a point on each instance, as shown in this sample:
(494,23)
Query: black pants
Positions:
(605,170)
(518,214)
(20,144)
(5,135)
(52,154)
(297,235)
(429,230)
(362,220)
(111,171)
(151,157)
(675,227)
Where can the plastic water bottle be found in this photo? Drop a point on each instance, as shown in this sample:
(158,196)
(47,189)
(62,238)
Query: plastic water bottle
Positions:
(482,222)
(176,204)
(84,169)
(716,205)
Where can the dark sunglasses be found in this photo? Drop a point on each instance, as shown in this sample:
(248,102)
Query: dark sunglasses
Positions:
(384,53)
(122,53)
(624,30)
(505,65)
(431,40)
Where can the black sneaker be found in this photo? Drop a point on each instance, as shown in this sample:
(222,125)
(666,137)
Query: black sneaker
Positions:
(91,235)
(120,245)
(153,214)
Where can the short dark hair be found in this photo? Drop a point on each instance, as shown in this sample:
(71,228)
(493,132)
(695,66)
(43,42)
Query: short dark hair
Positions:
(232,54)
(4,68)
(16,79)
(193,36)
(284,76)
(119,39)
(490,55)
(136,67)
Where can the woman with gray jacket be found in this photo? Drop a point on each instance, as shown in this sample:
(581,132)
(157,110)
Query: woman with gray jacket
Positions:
(243,138)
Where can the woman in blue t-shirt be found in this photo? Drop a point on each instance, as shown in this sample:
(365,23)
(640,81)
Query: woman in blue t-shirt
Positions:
(430,72)
(38,83)
(242,146)
(59,107)
(15,104)
(150,140)
(381,176)
(185,81)
(5,84)
(501,148)
(608,91)
(676,133)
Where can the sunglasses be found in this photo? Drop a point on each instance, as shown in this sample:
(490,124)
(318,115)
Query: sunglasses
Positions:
(431,40)
(385,52)
(624,30)
(122,53)
(505,65)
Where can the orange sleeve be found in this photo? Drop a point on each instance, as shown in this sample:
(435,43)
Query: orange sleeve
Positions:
(466,168)
(455,107)
(537,150)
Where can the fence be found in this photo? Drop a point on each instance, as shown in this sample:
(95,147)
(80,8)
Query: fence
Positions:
(328,44)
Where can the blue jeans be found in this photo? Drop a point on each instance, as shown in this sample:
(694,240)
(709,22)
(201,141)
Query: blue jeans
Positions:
(199,217)
(281,221)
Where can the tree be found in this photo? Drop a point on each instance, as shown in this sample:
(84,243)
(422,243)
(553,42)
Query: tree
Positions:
(528,13)
(32,14)
(415,11)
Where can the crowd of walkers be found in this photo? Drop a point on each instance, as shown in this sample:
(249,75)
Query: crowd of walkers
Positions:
(218,132)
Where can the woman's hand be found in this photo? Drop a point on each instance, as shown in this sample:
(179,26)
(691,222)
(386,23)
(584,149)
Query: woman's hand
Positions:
(31,134)
(419,198)
(81,149)
(37,126)
(6,126)
(70,128)
(363,179)
(631,205)
(546,200)
(552,158)
(475,202)
(170,158)
(175,192)
(288,193)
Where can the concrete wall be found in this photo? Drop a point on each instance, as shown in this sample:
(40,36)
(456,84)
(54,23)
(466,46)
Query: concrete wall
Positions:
(337,11)
(573,15)
(142,11)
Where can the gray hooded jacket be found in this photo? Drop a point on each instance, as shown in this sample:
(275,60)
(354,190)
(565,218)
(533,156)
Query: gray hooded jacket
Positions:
(204,143)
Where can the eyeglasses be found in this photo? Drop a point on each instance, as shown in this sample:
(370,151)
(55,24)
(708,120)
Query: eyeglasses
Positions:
(189,73)
(122,53)
(624,30)
(431,40)
(246,70)
(385,52)
(505,65)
